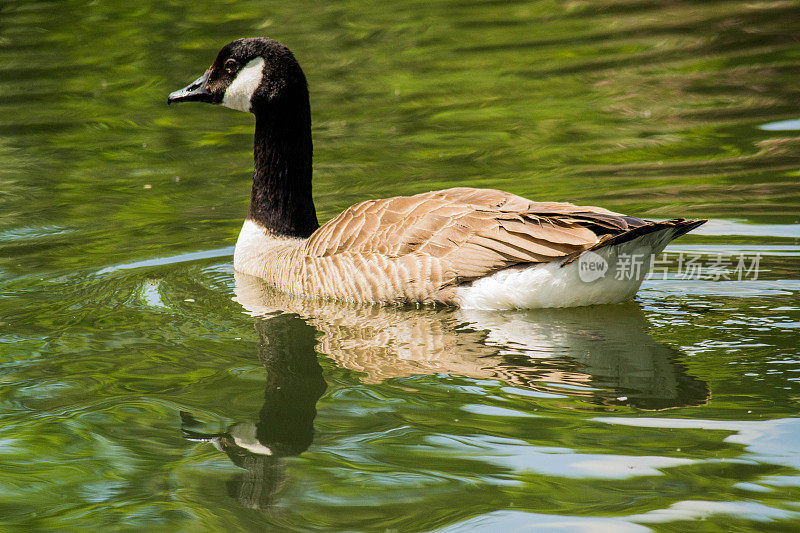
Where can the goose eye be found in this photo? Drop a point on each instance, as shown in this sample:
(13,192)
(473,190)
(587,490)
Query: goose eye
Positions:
(231,66)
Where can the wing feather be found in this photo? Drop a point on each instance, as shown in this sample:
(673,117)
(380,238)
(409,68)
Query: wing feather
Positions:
(472,232)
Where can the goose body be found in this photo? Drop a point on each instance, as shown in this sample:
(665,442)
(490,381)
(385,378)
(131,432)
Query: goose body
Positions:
(477,248)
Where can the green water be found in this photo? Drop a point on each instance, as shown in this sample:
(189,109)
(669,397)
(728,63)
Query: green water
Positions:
(145,386)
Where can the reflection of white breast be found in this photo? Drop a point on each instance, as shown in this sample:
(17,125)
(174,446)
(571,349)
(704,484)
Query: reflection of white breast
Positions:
(382,342)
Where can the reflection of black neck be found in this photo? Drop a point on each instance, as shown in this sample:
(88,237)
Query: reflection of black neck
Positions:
(294,384)
(281,198)
(286,420)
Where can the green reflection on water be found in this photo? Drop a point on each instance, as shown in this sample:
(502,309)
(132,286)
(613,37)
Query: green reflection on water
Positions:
(652,413)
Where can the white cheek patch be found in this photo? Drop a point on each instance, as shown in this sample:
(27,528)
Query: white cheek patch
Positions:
(238,94)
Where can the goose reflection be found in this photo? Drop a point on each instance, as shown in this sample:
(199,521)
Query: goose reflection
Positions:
(602,353)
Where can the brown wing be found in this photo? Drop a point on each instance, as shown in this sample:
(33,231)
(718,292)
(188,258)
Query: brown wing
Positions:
(472,231)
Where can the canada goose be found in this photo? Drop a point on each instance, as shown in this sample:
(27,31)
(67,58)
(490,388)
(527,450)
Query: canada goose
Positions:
(476,248)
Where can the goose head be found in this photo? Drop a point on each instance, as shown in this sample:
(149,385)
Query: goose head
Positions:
(261,76)
(255,75)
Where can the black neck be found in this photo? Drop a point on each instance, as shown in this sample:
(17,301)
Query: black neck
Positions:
(281,198)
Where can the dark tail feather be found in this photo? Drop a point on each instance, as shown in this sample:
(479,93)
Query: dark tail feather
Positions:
(680,226)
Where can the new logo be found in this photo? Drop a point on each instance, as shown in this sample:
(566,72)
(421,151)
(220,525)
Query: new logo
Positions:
(591,267)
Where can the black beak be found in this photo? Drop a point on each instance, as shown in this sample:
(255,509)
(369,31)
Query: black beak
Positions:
(194,92)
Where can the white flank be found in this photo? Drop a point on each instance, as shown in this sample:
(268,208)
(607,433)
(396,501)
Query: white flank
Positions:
(551,285)
(238,94)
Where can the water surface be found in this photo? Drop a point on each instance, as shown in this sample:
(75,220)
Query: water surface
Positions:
(146,385)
